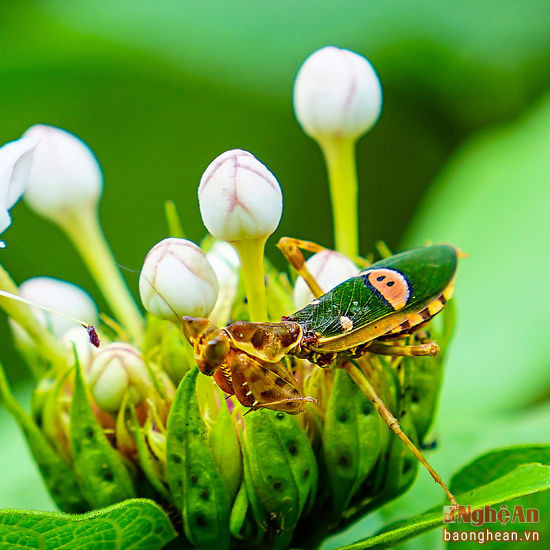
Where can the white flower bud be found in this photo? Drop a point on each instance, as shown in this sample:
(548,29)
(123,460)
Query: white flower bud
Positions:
(337,94)
(118,370)
(65,176)
(225,261)
(328,268)
(239,197)
(177,280)
(15,166)
(60,296)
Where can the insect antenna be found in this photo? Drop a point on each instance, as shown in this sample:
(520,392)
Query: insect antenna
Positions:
(92,334)
(158,293)
(136,272)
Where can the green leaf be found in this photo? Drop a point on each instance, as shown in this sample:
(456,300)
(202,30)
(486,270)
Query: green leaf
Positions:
(196,484)
(524,480)
(498,182)
(59,478)
(102,475)
(495,464)
(138,523)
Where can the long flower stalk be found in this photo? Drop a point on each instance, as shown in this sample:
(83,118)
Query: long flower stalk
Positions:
(339,153)
(251,254)
(88,238)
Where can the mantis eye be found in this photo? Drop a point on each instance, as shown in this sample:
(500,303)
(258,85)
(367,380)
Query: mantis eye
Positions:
(216,351)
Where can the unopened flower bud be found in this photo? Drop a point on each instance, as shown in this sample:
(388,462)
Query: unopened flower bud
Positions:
(239,197)
(328,268)
(60,296)
(65,176)
(118,370)
(176,280)
(337,94)
(15,166)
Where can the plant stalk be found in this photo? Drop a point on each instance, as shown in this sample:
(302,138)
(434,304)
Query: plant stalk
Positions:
(85,233)
(339,153)
(251,254)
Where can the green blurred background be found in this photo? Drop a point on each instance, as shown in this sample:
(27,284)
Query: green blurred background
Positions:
(461,154)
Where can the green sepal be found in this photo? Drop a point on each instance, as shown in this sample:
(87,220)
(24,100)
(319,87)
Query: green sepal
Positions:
(51,415)
(176,353)
(101,473)
(226,450)
(31,355)
(146,459)
(281,472)
(422,377)
(58,477)
(353,439)
(197,486)
(386,381)
(138,523)
(241,524)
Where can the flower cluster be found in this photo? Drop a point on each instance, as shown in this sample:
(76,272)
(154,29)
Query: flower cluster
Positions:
(135,417)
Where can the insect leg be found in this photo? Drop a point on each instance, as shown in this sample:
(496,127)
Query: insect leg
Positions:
(427,348)
(360,379)
(291,249)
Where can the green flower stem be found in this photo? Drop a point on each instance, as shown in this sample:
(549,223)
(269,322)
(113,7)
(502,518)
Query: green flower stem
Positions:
(23,316)
(86,234)
(251,253)
(339,155)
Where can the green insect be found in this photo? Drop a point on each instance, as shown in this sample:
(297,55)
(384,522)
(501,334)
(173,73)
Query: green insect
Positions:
(385,302)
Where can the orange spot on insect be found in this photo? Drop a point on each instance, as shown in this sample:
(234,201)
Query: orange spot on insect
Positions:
(391,285)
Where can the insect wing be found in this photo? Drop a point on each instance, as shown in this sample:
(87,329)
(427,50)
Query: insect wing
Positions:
(404,282)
